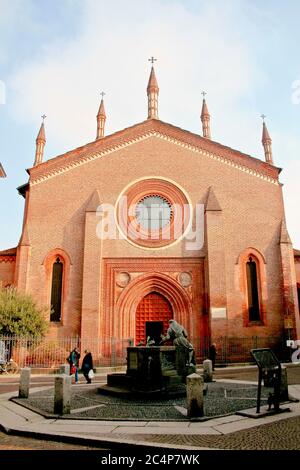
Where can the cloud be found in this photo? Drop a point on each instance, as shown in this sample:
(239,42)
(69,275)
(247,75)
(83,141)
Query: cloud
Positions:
(15,17)
(110,54)
(204,48)
(287,150)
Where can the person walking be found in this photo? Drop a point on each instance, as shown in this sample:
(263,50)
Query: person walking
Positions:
(212,354)
(74,363)
(87,366)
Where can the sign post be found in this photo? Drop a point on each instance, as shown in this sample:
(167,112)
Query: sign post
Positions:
(269,370)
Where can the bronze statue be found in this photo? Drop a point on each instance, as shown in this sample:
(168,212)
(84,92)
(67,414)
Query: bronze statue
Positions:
(178,335)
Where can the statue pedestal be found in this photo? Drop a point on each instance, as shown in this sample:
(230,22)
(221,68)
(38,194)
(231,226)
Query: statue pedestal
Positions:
(151,370)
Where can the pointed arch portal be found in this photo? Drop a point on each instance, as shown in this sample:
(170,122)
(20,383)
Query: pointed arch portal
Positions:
(140,295)
(156,292)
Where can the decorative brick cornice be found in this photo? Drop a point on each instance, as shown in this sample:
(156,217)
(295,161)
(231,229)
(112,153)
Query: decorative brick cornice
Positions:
(154,128)
(297,254)
(7,259)
(8,256)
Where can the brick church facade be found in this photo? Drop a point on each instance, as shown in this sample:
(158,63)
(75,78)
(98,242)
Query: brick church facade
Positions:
(152,223)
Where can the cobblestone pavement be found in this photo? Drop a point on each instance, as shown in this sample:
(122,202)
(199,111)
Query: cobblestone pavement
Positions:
(9,442)
(221,398)
(282,435)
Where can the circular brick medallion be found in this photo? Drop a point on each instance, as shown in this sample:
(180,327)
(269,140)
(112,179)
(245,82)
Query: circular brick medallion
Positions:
(122,279)
(185,279)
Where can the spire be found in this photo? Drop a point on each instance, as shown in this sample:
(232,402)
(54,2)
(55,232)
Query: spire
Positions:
(205,118)
(267,142)
(101,118)
(40,144)
(2,172)
(152,92)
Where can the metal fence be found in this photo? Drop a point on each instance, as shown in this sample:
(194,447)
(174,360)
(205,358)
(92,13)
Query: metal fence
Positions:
(232,349)
(50,353)
(111,352)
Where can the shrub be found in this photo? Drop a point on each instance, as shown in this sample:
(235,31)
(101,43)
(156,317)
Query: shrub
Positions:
(47,354)
(19,314)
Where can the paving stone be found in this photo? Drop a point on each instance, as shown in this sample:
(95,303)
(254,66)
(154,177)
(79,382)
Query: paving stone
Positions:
(13,443)
(272,433)
(282,435)
(220,399)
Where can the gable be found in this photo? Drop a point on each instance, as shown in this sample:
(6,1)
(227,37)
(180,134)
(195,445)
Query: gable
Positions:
(204,148)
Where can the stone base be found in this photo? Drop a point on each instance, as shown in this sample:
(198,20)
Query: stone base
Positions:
(132,393)
(293,399)
(251,413)
(119,380)
(153,372)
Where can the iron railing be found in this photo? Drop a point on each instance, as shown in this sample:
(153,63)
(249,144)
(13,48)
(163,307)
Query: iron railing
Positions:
(111,352)
(50,353)
(231,349)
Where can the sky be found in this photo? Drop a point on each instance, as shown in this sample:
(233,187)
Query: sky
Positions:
(56,56)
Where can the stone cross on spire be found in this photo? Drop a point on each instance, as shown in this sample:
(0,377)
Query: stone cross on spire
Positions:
(152,92)
(152,60)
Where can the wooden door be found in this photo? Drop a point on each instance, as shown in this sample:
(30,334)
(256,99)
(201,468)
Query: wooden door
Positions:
(153,307)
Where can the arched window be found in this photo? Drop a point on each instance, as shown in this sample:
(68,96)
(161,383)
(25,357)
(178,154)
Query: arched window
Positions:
(253,287)
(253,290)
(56,290)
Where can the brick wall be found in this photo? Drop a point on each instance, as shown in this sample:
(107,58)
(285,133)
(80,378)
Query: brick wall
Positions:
(7,270)
(252,210)
(297,267)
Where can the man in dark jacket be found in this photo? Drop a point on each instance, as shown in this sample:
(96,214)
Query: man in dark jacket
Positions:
(87,365)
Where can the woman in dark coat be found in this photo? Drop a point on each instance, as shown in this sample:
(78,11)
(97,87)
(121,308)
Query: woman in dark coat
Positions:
(87,365)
